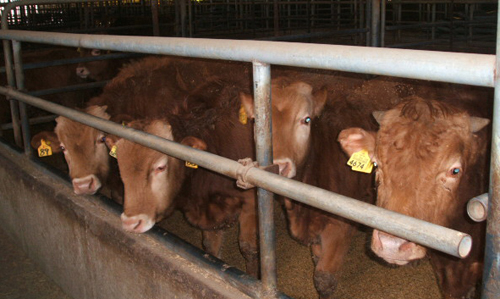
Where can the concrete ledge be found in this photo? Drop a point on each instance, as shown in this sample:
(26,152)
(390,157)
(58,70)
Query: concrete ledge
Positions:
(79,243)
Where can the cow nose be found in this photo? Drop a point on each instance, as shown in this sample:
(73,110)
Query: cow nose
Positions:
(136,224)
(82,72)
(86,185)
(395,250)
(287,167)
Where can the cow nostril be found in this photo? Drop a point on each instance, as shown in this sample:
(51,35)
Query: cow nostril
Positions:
(91,183)
(137,225)
(286,168)
(406,246)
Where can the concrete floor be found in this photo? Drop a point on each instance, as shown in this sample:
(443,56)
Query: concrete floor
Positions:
(20,277)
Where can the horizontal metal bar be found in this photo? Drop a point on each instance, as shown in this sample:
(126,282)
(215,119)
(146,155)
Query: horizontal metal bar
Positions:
(431,235)
(76,87)
(29,66)
(477,207)
(461,68)
(32,121)
(314,35)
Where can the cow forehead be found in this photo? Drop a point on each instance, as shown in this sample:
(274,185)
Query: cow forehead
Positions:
(72,132)
(141,157)
(425,138)
(293,97)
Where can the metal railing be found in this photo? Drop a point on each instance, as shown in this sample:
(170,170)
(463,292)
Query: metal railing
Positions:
(478,69)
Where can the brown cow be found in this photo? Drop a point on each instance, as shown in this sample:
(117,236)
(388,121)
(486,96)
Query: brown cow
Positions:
(99,70)
(144,88)
(325,167)
(210,201)
(432,158)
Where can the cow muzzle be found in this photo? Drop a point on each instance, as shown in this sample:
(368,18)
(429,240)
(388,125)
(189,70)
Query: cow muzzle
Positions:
(86,185)
(395,250)
(137,224)
(287,167)
(82,72)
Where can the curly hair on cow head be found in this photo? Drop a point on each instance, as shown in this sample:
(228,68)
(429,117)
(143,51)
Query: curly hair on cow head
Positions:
(415,107)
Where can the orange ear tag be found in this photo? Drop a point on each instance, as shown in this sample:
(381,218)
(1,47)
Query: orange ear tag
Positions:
(112,152)
(361,162)
(44,150)
(243,115)
(191,165)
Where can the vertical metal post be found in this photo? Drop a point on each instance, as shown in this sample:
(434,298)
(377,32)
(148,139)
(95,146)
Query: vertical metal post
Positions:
(491,274)
(264,153)
(400,13)
(368,16)
(183,17)
(190,18)
(276,18)
(375,27)
(18,65)
(433,20)
(154,16)
(382,23)
(14,104)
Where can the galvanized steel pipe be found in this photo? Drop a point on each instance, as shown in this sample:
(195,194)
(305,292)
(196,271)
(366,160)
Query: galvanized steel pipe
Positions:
(491,278)
(461,68)
(431,235)
(477,207)
(264,154)
(18,68)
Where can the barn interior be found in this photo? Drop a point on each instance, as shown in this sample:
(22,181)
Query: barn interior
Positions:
(466,26)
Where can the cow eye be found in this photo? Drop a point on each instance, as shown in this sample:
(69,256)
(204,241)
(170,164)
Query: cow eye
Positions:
(62,147)
(95,52)
(102,139)
(306,120)
(454,172)
(161,168)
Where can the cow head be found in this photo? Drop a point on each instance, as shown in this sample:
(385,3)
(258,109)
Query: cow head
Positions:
(97,70)
(84,149)
(294,106)
(423,150)
(151,178)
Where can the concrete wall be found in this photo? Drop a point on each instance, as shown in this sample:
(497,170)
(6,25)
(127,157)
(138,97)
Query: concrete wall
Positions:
(79,243)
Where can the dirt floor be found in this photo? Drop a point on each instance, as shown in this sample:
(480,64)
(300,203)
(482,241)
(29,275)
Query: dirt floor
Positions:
(363,276)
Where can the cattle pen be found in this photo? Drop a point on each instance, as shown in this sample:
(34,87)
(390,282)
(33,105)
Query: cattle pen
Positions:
(189,269)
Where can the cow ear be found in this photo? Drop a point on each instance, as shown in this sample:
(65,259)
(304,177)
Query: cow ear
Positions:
(111,140)
(194,143)
(378,115)
(247,102)
(49,136)
(477,123)
(319,97)
(353,140)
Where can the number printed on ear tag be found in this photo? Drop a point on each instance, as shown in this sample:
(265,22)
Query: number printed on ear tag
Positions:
(361,162)
(44,150)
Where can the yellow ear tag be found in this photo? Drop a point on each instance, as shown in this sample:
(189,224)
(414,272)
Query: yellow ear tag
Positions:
(112,152)
(191,165)
(361,162)
(44,150)
(243,115)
